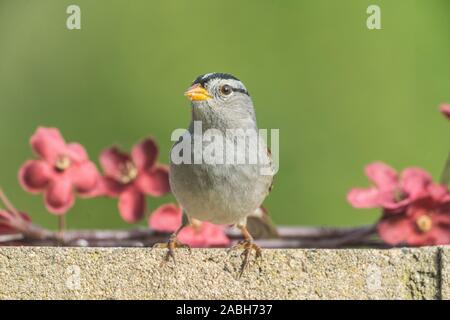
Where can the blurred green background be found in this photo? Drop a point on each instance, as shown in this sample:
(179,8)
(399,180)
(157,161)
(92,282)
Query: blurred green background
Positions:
(341,95)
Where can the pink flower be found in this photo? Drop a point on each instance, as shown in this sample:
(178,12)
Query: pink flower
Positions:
(416,211)
(131,177)
(11,223)
(167,218)
(389,191)
(60,170)
(445,110)
(204,235)
(426,221)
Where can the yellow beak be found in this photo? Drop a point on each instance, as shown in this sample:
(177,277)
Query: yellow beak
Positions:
(197,93)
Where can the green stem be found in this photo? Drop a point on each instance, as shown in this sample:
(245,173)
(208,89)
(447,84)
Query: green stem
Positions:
(61,225)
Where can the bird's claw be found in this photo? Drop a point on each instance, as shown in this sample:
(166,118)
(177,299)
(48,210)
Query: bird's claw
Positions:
(248,247)
(171,245)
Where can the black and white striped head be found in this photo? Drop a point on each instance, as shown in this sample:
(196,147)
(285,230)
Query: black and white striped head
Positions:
(222,87)
(222,96)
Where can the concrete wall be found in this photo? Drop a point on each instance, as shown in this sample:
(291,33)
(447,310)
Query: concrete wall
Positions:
(137,273)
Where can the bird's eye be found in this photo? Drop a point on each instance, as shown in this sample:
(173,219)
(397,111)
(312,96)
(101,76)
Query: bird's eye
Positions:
(226,90)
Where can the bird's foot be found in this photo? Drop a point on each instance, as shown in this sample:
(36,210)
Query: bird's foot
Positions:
(171,245)
(248,246)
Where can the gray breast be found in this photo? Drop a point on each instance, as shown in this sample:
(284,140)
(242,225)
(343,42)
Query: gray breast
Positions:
(221,193)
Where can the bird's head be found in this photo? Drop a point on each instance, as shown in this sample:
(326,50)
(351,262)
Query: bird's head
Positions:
(220,97)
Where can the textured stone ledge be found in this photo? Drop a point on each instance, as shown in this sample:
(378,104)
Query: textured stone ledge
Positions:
(131,273)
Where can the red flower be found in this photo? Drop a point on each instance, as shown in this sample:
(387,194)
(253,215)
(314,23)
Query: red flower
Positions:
(131,177)
(426,221)
(167,218)
(445,110)
(61,169)
(416,211)
(390,192)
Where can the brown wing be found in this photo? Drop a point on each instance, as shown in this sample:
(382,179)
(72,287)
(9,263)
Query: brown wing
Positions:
(260,225)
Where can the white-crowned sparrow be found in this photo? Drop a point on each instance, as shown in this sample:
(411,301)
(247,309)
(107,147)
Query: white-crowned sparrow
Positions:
(221,193)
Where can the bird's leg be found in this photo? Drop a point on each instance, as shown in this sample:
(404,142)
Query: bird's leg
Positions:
(248,245)
(173,242)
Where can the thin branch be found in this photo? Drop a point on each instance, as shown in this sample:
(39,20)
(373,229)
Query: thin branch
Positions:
(290,237)
(323,244)
(8,204)
(117,235)
(31,232)
(142,233)
(11,237)
(266,243)
(293,232)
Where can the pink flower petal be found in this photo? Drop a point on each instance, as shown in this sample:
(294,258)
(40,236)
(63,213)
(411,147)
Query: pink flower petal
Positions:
(84,177)
(439,192)
(5,217)
(166,218)
(144,154)
(110,187)
(396,229)
(393,207)
(105,187)
(192,237)
(442,220)
(131,205)
(440,235)
(216,236)
(5,228)
(418,239)
(155,182)
(382,175)
(414,181)
(76,152)
(445,110)
(59,196)
(364,198)
(112,161)
(206,235)
(48,143)
(35,175)
(25,216)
